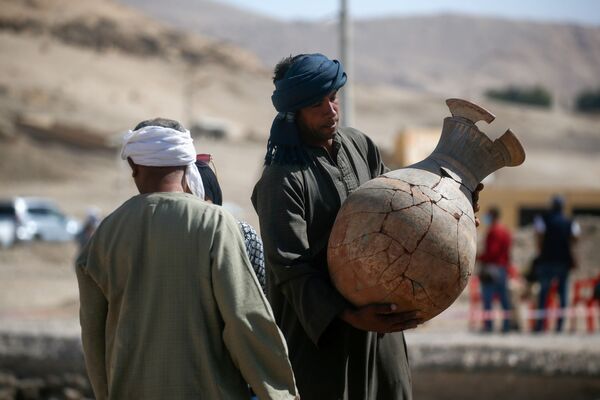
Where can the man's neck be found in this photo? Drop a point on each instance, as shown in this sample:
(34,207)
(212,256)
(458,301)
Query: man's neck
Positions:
(327,144)
(161,180)
(162,188)
(330,149)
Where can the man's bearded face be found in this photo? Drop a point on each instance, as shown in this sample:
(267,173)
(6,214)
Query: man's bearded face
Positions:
(318,122)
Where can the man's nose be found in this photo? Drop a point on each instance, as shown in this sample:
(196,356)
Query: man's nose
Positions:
(331,107)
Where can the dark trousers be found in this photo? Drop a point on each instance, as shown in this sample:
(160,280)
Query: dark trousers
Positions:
(496,286)
(548,273)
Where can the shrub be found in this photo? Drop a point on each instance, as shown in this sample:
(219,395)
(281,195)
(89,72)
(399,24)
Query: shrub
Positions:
(536,95)
(588,101)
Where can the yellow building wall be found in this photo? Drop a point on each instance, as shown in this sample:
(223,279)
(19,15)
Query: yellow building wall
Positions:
(414,145)
(511,200)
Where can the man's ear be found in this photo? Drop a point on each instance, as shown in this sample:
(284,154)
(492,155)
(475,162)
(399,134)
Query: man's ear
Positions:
(134,167)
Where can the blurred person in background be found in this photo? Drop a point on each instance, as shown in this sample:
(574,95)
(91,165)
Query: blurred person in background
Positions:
(555,236)
(494,271)
(214,195)
(596,293)
(92,220)
(169,306)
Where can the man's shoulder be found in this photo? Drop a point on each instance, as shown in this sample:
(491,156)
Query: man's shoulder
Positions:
(280,174)
(360,145)
(176,200)
(360,139)
(163,201)
(353,133)
(276,180)
(194,213)
(123,209)
(200,207)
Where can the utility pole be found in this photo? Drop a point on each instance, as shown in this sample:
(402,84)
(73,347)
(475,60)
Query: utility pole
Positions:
(346,59)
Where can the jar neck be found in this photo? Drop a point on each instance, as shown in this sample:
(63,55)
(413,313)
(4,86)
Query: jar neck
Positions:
(468,152)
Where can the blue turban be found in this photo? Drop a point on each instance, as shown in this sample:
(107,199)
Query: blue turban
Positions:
(310,78)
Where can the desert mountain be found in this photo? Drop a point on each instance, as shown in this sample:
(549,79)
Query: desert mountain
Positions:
(103,65)
(75,75)
(81,72)
(443,54)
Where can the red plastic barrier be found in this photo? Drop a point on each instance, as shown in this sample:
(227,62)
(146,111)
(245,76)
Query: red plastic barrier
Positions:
(583,293)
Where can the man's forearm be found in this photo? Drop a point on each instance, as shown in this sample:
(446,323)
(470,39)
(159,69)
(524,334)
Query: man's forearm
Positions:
(95,365)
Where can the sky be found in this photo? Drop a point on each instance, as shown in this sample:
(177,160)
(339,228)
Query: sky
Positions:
(579,11)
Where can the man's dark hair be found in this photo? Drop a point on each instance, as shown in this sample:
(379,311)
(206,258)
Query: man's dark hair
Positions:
(212,189)
(163,122)
(282,66)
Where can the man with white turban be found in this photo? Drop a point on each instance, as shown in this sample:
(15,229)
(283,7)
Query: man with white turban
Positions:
(170,306)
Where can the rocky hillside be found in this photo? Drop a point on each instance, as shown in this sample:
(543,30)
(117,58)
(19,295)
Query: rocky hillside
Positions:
(82,72)
(101,66)
(462,55)
(103,25)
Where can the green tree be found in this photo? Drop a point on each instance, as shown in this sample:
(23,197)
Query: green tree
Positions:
(588,101)
(536,95)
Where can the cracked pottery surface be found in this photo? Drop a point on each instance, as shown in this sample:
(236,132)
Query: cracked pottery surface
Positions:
(408,237)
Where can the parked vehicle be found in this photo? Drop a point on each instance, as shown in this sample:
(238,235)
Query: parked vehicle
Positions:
(7,232)
(16,226)
(38,219)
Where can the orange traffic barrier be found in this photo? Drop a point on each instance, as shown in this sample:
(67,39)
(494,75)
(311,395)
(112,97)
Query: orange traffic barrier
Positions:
(583,294)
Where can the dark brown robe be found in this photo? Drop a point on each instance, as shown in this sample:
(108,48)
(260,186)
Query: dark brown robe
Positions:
(297,207)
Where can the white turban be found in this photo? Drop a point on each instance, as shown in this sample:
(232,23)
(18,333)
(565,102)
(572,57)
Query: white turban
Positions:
(156,146)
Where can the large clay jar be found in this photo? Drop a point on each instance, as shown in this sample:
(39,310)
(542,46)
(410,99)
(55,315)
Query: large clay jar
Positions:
(408,237)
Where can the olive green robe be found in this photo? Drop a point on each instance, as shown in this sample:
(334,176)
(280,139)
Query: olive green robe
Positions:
(297,207)
(171,308)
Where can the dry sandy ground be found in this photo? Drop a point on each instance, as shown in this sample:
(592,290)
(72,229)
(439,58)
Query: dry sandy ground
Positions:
(38,279)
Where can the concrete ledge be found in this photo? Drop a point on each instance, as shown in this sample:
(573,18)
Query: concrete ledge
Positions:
(571,355)
(42,361)
(35,355)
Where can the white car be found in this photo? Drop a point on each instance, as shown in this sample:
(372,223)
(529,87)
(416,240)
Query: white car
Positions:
(38,219)
(7,232)
(14,224)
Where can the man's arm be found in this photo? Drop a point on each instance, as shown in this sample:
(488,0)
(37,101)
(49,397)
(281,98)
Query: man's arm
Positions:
(374,159)
(279,203)
(92,317)
(251,335)
(309,290)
